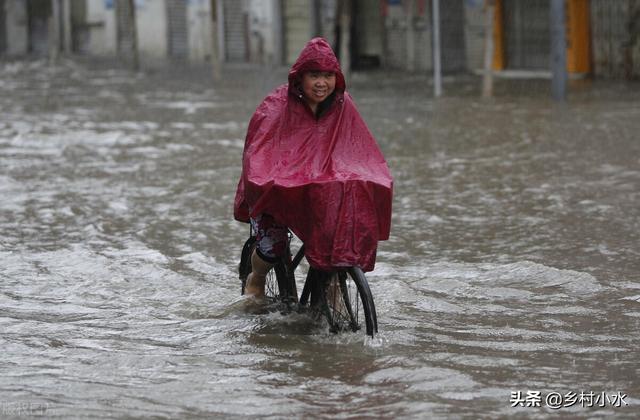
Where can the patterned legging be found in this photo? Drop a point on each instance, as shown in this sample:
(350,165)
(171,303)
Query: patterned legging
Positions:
(271,237)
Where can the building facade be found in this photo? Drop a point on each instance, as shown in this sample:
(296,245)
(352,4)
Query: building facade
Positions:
(603,36)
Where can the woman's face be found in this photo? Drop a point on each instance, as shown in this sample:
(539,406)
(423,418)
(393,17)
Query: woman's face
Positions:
(317,86)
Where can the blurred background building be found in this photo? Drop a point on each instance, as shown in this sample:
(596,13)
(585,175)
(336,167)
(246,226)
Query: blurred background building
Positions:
(602,35)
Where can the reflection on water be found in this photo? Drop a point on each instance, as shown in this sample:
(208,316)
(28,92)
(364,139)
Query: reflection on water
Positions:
(513,262)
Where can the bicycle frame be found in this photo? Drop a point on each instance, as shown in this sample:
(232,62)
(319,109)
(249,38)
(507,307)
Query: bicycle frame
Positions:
(315,291)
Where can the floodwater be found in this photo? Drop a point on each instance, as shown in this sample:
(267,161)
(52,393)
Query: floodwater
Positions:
(511,276)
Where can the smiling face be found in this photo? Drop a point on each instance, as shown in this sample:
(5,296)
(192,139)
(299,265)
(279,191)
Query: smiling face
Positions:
(317,86)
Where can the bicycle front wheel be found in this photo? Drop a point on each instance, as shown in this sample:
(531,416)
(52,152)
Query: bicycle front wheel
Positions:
(343,298)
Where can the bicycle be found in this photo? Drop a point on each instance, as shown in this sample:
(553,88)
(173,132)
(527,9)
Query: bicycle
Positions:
(341,296)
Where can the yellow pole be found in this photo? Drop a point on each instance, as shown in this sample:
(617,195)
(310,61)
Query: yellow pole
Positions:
(499,61)
(578,39)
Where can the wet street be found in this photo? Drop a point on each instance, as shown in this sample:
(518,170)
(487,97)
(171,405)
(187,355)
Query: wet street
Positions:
(511,278)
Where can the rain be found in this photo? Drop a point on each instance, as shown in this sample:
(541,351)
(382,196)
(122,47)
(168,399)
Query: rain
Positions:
(511,273)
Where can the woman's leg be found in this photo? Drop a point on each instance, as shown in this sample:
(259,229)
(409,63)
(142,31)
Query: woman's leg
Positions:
(256,279)
(271,243)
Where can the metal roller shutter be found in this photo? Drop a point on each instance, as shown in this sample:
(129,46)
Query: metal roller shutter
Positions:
(178,33)
(527,34)
(452,36)
(124,28)
(3,29)
(234,31)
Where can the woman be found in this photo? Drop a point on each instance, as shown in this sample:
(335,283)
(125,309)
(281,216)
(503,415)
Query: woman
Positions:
(311,165)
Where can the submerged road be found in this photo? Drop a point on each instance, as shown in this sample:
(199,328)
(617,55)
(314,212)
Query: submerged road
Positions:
(512,274)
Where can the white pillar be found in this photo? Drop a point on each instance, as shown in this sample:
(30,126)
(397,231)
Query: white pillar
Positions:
(66,27)
(278,34)
(437,72)
(54,31)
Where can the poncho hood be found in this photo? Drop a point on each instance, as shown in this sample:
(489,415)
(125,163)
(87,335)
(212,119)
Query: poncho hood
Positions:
(316,55)
(325,178)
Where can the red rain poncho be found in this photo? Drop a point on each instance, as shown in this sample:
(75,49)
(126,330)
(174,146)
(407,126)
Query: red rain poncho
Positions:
(325,178)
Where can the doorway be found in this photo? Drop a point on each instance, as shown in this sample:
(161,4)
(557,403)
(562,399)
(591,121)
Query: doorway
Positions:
(527,34)
(178,32)
(38,12)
